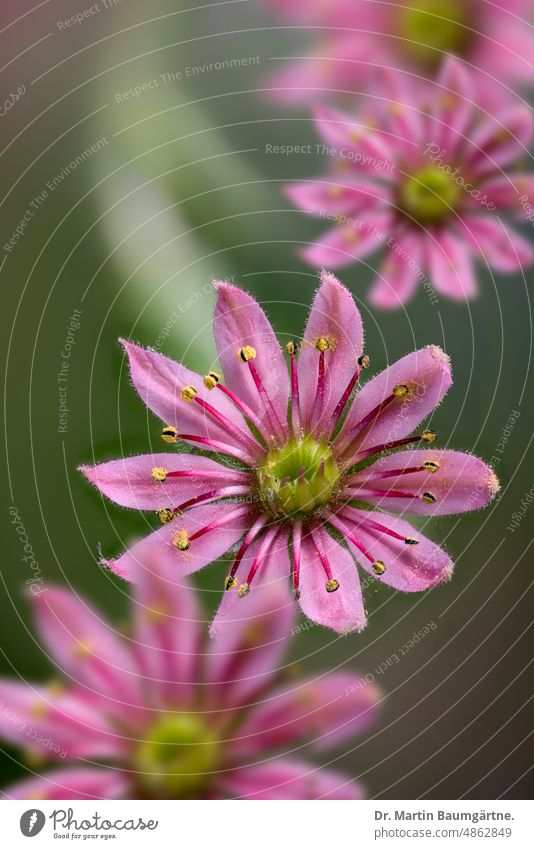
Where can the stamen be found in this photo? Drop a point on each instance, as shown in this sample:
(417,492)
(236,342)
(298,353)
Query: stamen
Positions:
(166,515)
(324,343)
(230,583)
(377,526)
(427,436)
(180,540)
(243,408)
(247,353)
(169,434)
(431,466)
(249,538)
(332,585)
(379,567)
(336,415)
(297,545)
(224,492)
(265,545)
(364,361)
(394,473)
(365,422)
(219,523)
(159,473)
(230,474)
(341,526)
(402,391)
(383,493)
(211,380)
(411,541)
(428,497)
(243,590)
(220,447)
(188,393)
(292,349)
(319,394)
(275,423)
(224,422)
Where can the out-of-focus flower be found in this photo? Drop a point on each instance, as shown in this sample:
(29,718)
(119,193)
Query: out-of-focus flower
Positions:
(354,38)
(302,461)
(425,174)
(158,715)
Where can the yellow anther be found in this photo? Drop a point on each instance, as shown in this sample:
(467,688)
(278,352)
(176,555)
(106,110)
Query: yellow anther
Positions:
(83,649)
(56,687)
(292,348)
(411,541)
(431,466)
(364,361)
(379,567)
(159,473)
(351,236)
(211,379)
(448,101)
(401,390)
(395,109)
(39,710)
(247,353)
(332,585)
(334,191)
(324,343)
(188,393)
(230,582)
(169,434)
(180,540)
(429,435)
(158,611)
(428,497)
(166,515)
(243,590)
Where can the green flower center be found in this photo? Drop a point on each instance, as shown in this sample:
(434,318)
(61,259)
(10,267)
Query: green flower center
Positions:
(429,195)
(298,477)
(173,759)
(431,26)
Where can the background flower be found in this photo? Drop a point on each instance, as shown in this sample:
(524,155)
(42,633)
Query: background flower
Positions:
(155,713)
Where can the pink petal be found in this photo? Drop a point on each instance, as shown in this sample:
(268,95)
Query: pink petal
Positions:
(501,247)
(346,242)
(235,612)
(342,132)
(400,273)
(324,710)
(335,316)
(168,625)
(455,107)
(500,141)
(410,568)
(240,321)
(85,647)
(206,549)
(427,371)
(285,778)
(248,651)
(55,725)
(74,783)
(509,191)
(341,194)
(129,481)
(462,483)
(451,267)
(160,380)
(343,610)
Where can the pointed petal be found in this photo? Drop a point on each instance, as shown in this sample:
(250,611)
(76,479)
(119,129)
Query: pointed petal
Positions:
(427,371)
(85,647)
(343,610)
(501,247)
(285,778)
(509,191)
(341,131)
(348,241)
(168,625)
(206,549)
(454,105)
(160,380)
(451,266)
(461,483)
(324,710)
(55,725)
(334,316)
(410,568)
(341,194)
(129,481)
(236,612)
(248,651)
(500,141)
(73,783)
(240,321)
(400,273)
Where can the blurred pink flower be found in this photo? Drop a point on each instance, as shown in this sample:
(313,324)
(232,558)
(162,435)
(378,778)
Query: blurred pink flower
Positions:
(298,489)
(354,38)
(425,175)
(156,714)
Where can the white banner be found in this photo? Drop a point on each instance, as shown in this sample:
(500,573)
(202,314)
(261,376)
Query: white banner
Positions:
(256,825)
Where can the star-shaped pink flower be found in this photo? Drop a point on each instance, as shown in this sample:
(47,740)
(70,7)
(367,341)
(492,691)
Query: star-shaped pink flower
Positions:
(308,473)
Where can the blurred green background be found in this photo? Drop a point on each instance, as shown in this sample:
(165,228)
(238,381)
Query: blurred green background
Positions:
(179,190)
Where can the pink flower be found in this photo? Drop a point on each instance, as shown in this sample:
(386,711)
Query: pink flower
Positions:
(156,714)
(297,491)
(427,177)
(354,38)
